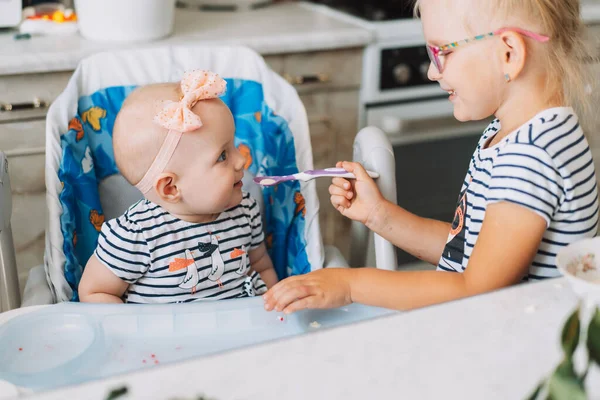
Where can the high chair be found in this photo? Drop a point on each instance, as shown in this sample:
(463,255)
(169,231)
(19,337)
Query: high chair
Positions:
(84,187)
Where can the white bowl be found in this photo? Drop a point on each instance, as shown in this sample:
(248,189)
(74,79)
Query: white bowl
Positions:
(125,20)
(584,281)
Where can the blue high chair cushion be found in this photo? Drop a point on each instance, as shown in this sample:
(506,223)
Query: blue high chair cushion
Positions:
(264,137)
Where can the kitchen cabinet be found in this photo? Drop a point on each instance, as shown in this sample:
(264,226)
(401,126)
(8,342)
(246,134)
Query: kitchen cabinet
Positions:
(328,84)
(22,138)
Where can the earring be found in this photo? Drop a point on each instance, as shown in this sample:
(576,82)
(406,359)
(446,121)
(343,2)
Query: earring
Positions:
(507,77)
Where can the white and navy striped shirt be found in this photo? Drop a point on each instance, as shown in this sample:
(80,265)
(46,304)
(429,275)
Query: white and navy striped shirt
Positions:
(546,166)
(166,260)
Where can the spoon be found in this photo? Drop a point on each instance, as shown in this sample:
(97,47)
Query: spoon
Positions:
(308,175)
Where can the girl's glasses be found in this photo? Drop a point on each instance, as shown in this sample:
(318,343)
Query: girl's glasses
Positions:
(437,54)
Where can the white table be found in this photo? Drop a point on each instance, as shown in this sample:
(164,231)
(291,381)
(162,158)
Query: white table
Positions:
(494,346)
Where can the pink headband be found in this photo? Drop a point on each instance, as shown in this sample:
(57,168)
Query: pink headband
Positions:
(178,117)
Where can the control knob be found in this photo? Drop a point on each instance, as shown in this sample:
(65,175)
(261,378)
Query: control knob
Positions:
(402,73)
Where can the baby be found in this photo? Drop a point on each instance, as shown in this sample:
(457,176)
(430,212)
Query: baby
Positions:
(196,234)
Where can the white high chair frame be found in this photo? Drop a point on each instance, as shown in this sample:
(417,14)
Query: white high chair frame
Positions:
(371,148)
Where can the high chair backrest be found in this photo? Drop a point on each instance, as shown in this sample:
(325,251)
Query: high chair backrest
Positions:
(84,187)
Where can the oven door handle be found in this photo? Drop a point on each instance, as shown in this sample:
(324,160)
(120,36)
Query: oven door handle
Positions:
(421,121)
(438,133)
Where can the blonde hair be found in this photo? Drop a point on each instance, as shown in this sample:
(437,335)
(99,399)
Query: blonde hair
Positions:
(565,55)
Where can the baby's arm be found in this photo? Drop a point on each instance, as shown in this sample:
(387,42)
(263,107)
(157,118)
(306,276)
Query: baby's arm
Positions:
(99,285)
(261,263)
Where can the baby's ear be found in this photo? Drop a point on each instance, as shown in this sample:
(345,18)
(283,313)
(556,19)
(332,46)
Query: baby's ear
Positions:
(166,187)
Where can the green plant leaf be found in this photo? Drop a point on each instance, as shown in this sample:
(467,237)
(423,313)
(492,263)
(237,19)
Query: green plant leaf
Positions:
(536,392)
(565,384)
(593,337)
(570,334)
(116,393)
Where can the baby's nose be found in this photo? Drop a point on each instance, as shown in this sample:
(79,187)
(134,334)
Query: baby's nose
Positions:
(240,159)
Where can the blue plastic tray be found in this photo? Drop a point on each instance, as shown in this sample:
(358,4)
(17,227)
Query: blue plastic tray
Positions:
(71,343)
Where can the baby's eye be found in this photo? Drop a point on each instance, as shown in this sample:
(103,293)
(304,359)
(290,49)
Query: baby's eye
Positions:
(445,52)
(222,157)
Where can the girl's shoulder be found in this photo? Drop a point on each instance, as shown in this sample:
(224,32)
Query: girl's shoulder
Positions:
(554,139)
(551,129)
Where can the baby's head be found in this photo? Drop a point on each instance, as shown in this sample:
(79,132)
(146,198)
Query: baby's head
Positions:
(202,176)
(543,58)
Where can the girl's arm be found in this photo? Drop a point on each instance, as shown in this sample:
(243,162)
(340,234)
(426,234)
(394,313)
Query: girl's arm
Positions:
(507,243)
(424,238)
(361,200)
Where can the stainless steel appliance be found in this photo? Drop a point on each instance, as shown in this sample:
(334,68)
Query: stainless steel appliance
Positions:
(432,149)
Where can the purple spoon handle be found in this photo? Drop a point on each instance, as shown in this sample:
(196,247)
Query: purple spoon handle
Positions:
(327,171)
(337,172)
(308,175)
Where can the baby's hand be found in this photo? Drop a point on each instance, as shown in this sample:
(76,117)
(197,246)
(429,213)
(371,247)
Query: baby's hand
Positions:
(355,198)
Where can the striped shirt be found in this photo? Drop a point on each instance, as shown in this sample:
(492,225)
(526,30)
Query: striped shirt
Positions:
(546,166)
(167,260)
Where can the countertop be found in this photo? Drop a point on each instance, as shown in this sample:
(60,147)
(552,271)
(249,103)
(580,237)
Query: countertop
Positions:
(280,28)
(494,346)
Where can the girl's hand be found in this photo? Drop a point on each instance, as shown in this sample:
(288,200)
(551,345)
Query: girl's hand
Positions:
(355,198)
(325,288)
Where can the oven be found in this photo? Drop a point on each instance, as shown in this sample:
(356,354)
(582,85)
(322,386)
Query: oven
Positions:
(432,151)
(431,148)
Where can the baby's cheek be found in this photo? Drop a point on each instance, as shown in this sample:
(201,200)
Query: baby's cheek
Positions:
(223,191)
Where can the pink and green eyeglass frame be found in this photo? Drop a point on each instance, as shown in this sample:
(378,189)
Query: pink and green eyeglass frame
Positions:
(436,52)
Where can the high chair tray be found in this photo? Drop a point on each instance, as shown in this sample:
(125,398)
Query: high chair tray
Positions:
(70,343)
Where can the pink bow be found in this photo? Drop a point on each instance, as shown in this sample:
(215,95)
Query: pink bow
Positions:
(196,85)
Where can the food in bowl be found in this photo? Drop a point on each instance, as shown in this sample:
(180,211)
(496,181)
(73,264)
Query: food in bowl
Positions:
(579,262)
(583,264)
(584,267)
